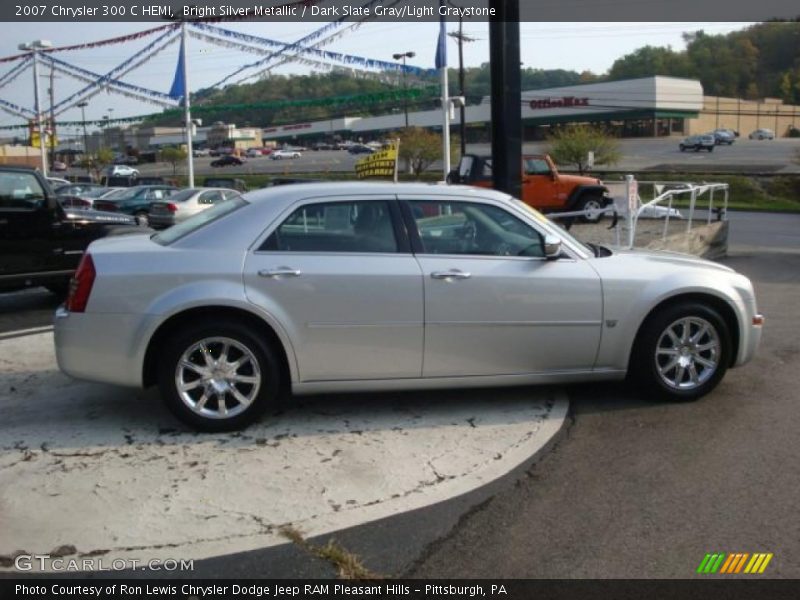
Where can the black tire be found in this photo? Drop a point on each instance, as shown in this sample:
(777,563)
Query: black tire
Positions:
(649,370)
(261,395)
(142,218)
(590,201)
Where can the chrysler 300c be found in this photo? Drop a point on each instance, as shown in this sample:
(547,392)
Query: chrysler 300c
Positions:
(352,287)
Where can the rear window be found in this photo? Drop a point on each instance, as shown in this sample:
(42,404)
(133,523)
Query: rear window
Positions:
(198,221)
(20,190)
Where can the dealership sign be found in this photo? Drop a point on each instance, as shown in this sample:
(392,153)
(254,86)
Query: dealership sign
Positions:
(564,102)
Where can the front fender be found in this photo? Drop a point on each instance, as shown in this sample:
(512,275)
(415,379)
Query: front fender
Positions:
(625,310)
(592,190)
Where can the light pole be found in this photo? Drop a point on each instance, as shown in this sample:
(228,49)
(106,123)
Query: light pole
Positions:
(82,106)
(34,48)
(404,56)
(462,37)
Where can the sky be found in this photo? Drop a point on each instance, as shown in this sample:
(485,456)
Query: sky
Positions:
(573,46)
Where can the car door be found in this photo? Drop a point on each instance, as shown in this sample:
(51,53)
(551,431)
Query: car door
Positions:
(340,277)
(539,186)
(493,304)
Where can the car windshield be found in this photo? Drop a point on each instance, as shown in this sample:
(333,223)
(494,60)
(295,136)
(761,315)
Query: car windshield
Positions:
(198,221)
(551,227)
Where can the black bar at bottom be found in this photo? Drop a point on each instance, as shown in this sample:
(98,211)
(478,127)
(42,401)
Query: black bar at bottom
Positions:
(45,588)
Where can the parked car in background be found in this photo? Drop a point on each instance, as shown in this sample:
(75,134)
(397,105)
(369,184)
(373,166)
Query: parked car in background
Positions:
(698,142)
(55,182)
(135,201)
(86,199)
(75,188)
(199,152)
(254,152)
(724,136)
(125,159)
(122,171)
(227,160)
(762,134)
(360,149)
(414,286)
(41,242)
(281,154)
(230,183)
(58,166)
(183,204)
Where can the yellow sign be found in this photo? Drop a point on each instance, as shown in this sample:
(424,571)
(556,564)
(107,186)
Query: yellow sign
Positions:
(48,139)
(382,163)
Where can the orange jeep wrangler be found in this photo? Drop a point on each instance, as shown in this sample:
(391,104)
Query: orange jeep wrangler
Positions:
(543,187)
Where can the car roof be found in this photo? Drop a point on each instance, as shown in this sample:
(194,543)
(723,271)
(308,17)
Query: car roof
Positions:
(299,191)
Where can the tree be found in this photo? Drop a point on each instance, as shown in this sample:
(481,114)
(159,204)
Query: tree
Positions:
(173,156)
(99,161)
(420,148)
(571,145)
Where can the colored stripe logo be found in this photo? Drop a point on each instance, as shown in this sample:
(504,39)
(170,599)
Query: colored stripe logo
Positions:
(734,563)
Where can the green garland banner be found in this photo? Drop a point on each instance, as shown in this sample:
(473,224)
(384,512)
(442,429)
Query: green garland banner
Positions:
(362,100)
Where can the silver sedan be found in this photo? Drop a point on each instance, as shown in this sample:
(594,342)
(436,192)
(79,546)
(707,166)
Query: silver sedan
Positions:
(185,203)
(355,286)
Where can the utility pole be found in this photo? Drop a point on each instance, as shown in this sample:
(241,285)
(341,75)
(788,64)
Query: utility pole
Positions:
(34,48)
(52,92)
(462,37)
(82,106)
(187,109)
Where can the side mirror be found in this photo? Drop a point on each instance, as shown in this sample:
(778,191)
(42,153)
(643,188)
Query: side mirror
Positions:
(552,247)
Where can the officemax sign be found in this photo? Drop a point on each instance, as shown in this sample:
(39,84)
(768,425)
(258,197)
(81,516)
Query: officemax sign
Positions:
(564,102)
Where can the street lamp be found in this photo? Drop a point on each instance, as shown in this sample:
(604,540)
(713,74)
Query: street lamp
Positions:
(82,106)
(404,56)
(34,48)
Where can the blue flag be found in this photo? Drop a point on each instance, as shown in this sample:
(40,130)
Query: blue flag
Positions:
(441,46)
(178,89)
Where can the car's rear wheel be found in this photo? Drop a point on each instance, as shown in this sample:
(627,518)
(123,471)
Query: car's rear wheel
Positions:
(142,218)
(218,376)
(682,352)
(592,202)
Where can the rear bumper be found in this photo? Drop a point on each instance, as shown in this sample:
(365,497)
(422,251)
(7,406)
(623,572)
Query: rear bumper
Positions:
(108,348)
(160,221)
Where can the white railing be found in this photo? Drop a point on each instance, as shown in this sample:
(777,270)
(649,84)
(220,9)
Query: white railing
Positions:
(629,207)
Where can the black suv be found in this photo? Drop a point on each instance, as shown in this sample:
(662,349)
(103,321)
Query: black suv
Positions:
(41,242)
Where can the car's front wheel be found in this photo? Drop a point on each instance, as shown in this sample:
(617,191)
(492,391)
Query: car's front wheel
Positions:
(218,376)
(682,352)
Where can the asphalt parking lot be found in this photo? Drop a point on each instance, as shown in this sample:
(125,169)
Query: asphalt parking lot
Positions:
(744,155)
(632,488)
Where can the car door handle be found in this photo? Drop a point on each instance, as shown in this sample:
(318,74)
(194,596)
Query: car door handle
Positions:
(279,272)
(451,274)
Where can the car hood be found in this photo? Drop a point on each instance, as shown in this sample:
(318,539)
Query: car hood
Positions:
(668,259)
(98,216)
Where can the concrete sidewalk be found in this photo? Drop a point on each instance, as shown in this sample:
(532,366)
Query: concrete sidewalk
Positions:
(109,472)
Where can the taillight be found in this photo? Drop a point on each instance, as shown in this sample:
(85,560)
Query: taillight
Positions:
(81,285)
(172,207)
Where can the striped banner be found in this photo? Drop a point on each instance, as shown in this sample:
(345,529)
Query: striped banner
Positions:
(735,563)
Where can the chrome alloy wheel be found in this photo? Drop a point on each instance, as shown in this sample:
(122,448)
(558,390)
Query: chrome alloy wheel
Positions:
(687,353)
(218,377)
